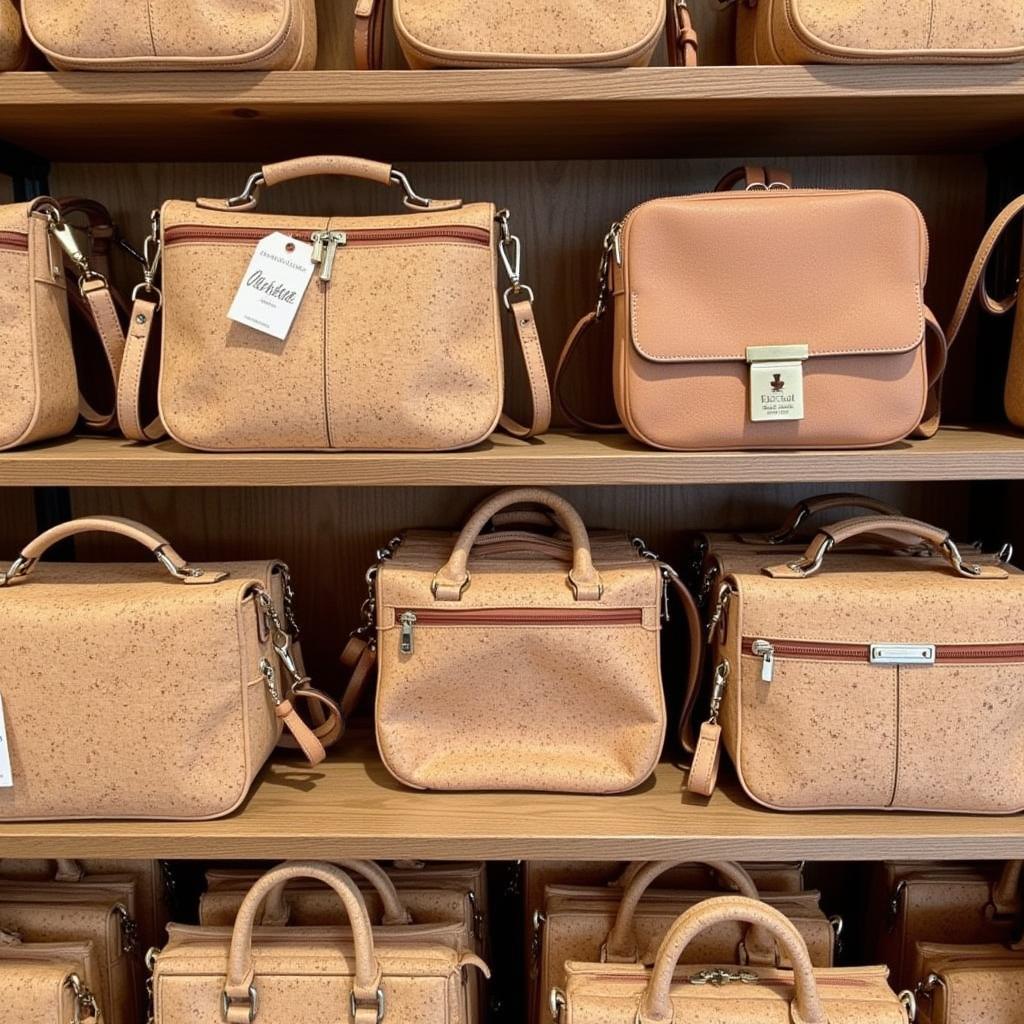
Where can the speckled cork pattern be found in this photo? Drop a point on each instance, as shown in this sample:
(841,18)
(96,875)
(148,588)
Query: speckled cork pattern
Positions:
(37,368)
(942,737)
(12,38)
(55,914)
(20,964)
(861,31)
(269,35)
(164,678)
(464,32)
(982,983)
(422,982)
(610,994)
(34,993)
(400,350)
(569,708)
(578,933)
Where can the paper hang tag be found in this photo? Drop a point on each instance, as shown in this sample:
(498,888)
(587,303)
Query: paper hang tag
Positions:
(273,285)
(6,778)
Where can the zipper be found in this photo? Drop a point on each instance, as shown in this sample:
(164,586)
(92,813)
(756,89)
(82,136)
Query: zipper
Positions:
(14,240)
(513,617)
(882,654)
(325,248)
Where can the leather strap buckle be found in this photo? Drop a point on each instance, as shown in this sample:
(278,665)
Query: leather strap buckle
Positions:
(251,1001)
(377,1004)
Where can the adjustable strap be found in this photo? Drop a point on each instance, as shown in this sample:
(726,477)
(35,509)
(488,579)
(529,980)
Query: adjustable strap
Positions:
(369,34)
(359,659)
(582,328)
(681,36)
(536,372)
(142,330)
(752,177)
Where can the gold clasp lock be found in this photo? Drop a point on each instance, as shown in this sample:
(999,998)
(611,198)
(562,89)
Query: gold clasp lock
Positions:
(719,976)
(776,382)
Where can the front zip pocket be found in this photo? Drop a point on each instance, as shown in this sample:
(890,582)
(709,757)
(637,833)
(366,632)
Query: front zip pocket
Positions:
(881,653)
(411,619)
(13,241)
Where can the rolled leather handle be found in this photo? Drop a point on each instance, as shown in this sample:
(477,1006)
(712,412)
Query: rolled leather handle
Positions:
(1006,901)
(339,166)
(810,507)
(838,533)
(656,1002)
(621,945)
(276,911)
(149,539)
(240,986)
(453,577)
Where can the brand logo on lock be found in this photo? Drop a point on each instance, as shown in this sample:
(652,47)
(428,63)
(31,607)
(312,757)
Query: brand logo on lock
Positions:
(777,382)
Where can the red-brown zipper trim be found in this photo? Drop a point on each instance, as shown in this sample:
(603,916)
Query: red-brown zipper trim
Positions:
(14,240)
(966,653)
(355,236)
(525,616)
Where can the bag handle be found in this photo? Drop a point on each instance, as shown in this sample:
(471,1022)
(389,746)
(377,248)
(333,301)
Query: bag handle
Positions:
(453,577)
(159,546)
(368,41)
(758,947)
(1006,900)
(324,164)
(276,911)
(656,1001)
(755,178)
(240,996)
(815,506)
(831,536)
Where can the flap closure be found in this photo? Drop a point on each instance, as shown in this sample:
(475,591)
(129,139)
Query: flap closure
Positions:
(995,30)
(832,273)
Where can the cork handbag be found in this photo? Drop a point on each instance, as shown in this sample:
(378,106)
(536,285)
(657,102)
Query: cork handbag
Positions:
(161,35)
(365,364)
(102,914)
(852,655)
(14,51)
(967,984)
(544,879)
(526,33)
(851,32)
(43,983)
(572,630)
(248,973)
(627,925)
(151,885)
(922,903)
(215,681)
(675,988)
(61,333)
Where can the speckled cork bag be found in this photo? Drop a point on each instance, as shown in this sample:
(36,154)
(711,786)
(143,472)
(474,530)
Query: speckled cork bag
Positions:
(176,682)
(165,35)
(395,341)
(870,680)
(859,32)
(966,984)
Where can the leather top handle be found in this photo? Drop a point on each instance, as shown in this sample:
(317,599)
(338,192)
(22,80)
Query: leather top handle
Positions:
(621,944)
(453,577)
(831,536)
(276,912)
(241,993)
(150,539)
(811,507)
(1006,900)
(314,166)
(656,1002)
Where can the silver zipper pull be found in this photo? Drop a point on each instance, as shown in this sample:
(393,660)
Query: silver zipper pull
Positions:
(333,240)
(408,620)
(766,653)
(317,255)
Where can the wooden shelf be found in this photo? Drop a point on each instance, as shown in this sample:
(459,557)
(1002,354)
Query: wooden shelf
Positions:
(631,112)
(350,806)
(955,453)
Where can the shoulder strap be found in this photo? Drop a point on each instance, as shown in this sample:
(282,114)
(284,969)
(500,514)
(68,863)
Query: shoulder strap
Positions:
(369,35)
(695,661)
(584,327)
(536,372)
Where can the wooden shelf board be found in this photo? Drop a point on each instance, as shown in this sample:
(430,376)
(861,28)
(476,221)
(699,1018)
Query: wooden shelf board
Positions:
(505,114)
(956,453)
(350,806)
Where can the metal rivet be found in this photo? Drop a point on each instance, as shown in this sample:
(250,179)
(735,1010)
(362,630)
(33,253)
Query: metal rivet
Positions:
(141,318)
